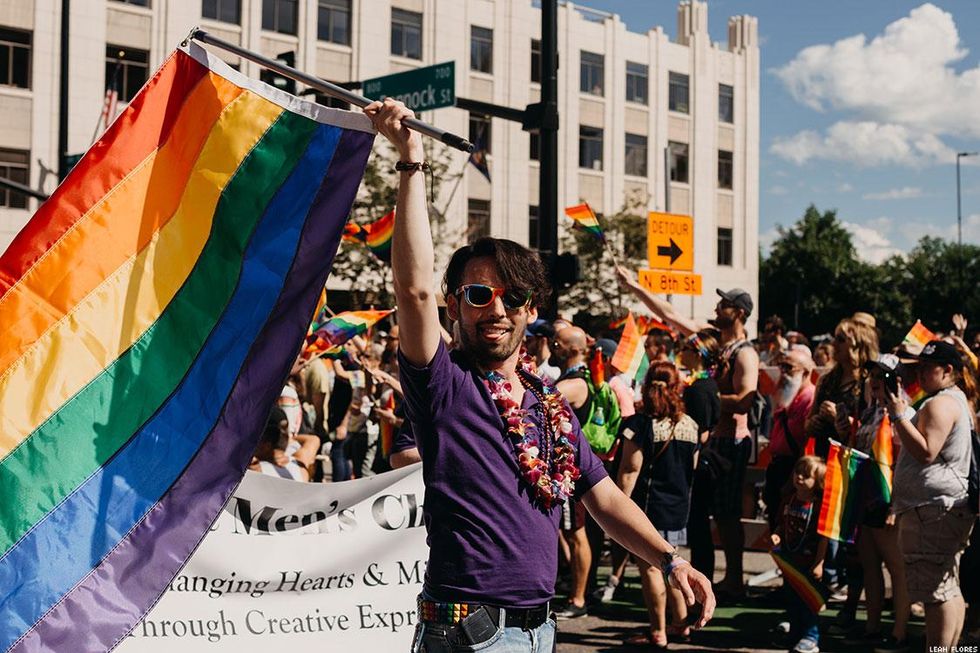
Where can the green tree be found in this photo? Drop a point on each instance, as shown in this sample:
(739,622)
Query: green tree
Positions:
(369,278)
(813,278)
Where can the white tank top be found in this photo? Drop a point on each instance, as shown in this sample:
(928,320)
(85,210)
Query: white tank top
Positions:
(945,481)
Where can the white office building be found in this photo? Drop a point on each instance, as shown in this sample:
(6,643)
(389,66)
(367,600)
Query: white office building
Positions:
(624,98)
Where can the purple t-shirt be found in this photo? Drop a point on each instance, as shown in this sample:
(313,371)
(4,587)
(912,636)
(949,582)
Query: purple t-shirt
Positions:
(488,541)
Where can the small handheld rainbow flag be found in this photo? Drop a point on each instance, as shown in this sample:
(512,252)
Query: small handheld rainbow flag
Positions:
(629,354)
(840,508)
(149,312)
(376,235)
(882,453)
(917,338)
(813,592)
(647,323)
(344,326)
(586,220)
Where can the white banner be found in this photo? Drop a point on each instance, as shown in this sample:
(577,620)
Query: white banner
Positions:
(335,566)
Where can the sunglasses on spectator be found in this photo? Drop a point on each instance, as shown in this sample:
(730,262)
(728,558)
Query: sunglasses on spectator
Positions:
(478,295)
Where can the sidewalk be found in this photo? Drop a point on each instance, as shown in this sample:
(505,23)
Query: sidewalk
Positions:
(742,627)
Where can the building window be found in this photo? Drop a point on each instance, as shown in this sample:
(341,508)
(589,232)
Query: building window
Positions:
(637,82)
(227,11)
(406,34)
(477,219)
(535,149)
(15,166)
(726,103)
(678,161)
(636,155)
(279,16)
(15,58)
(532,227)
(126,70)
(679,93)
(724,246)
(480,134)
(590,148)
(536,61)
(724,169)
(591,73)
(138,3)
(333,21)
(481,49)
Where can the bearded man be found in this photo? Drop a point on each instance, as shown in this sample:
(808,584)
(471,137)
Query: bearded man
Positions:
(501,450)
(791,405)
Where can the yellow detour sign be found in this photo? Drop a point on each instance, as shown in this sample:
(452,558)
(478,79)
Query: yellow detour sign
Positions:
(670,283)
(670,241)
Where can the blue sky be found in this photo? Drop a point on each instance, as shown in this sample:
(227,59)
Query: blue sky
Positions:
(863,107)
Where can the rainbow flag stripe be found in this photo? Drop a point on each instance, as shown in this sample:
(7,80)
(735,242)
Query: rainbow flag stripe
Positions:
(149,312)
(629,354)
(344,326)
(585,220)
(813,592)
(842,494)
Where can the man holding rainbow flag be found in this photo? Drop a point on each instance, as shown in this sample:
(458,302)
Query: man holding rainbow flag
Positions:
(500,449)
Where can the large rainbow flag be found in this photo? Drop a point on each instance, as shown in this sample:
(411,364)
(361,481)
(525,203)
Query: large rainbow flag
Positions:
(149,312)
(842,494)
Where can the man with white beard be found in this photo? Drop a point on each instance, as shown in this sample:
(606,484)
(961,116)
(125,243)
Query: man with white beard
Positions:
(791,405)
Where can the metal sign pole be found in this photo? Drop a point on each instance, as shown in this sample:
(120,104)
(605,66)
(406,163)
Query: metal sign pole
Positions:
(327,88)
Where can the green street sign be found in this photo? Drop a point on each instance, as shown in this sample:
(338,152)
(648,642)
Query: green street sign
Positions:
(421,89)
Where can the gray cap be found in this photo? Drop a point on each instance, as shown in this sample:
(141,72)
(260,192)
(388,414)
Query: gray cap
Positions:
(739,297)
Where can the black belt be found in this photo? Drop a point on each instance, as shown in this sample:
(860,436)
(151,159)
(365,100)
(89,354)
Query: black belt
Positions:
(523,618)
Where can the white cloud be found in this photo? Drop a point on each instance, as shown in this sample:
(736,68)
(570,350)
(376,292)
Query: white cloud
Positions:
(766,239)
(903,193)
(870,241)
(901,86)
(778,190)
(865,144)
(845,188)
(903,76)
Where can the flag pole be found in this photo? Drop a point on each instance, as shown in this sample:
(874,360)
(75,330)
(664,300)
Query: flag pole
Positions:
(198,34)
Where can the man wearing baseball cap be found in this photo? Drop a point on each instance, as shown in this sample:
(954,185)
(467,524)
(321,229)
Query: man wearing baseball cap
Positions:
(931,490)
(738,382)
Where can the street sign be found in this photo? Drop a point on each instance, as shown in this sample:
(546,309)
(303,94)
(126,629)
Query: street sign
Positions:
(660,281)
(421,89)
(670,241)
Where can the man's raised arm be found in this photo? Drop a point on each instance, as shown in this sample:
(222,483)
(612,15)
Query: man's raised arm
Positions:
(412,258)
(660,308)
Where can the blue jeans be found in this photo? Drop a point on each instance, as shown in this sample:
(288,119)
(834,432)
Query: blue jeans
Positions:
(339,466)
(440,638)
(804,623)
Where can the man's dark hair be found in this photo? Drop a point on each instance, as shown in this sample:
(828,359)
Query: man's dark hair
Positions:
(775,323)
(518,266)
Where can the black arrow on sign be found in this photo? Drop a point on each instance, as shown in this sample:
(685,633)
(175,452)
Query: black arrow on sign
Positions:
(674,252)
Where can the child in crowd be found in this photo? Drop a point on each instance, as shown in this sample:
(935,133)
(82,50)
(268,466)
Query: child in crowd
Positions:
(797,539)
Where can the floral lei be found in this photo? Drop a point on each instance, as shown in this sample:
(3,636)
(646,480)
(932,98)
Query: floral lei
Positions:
(546,460)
